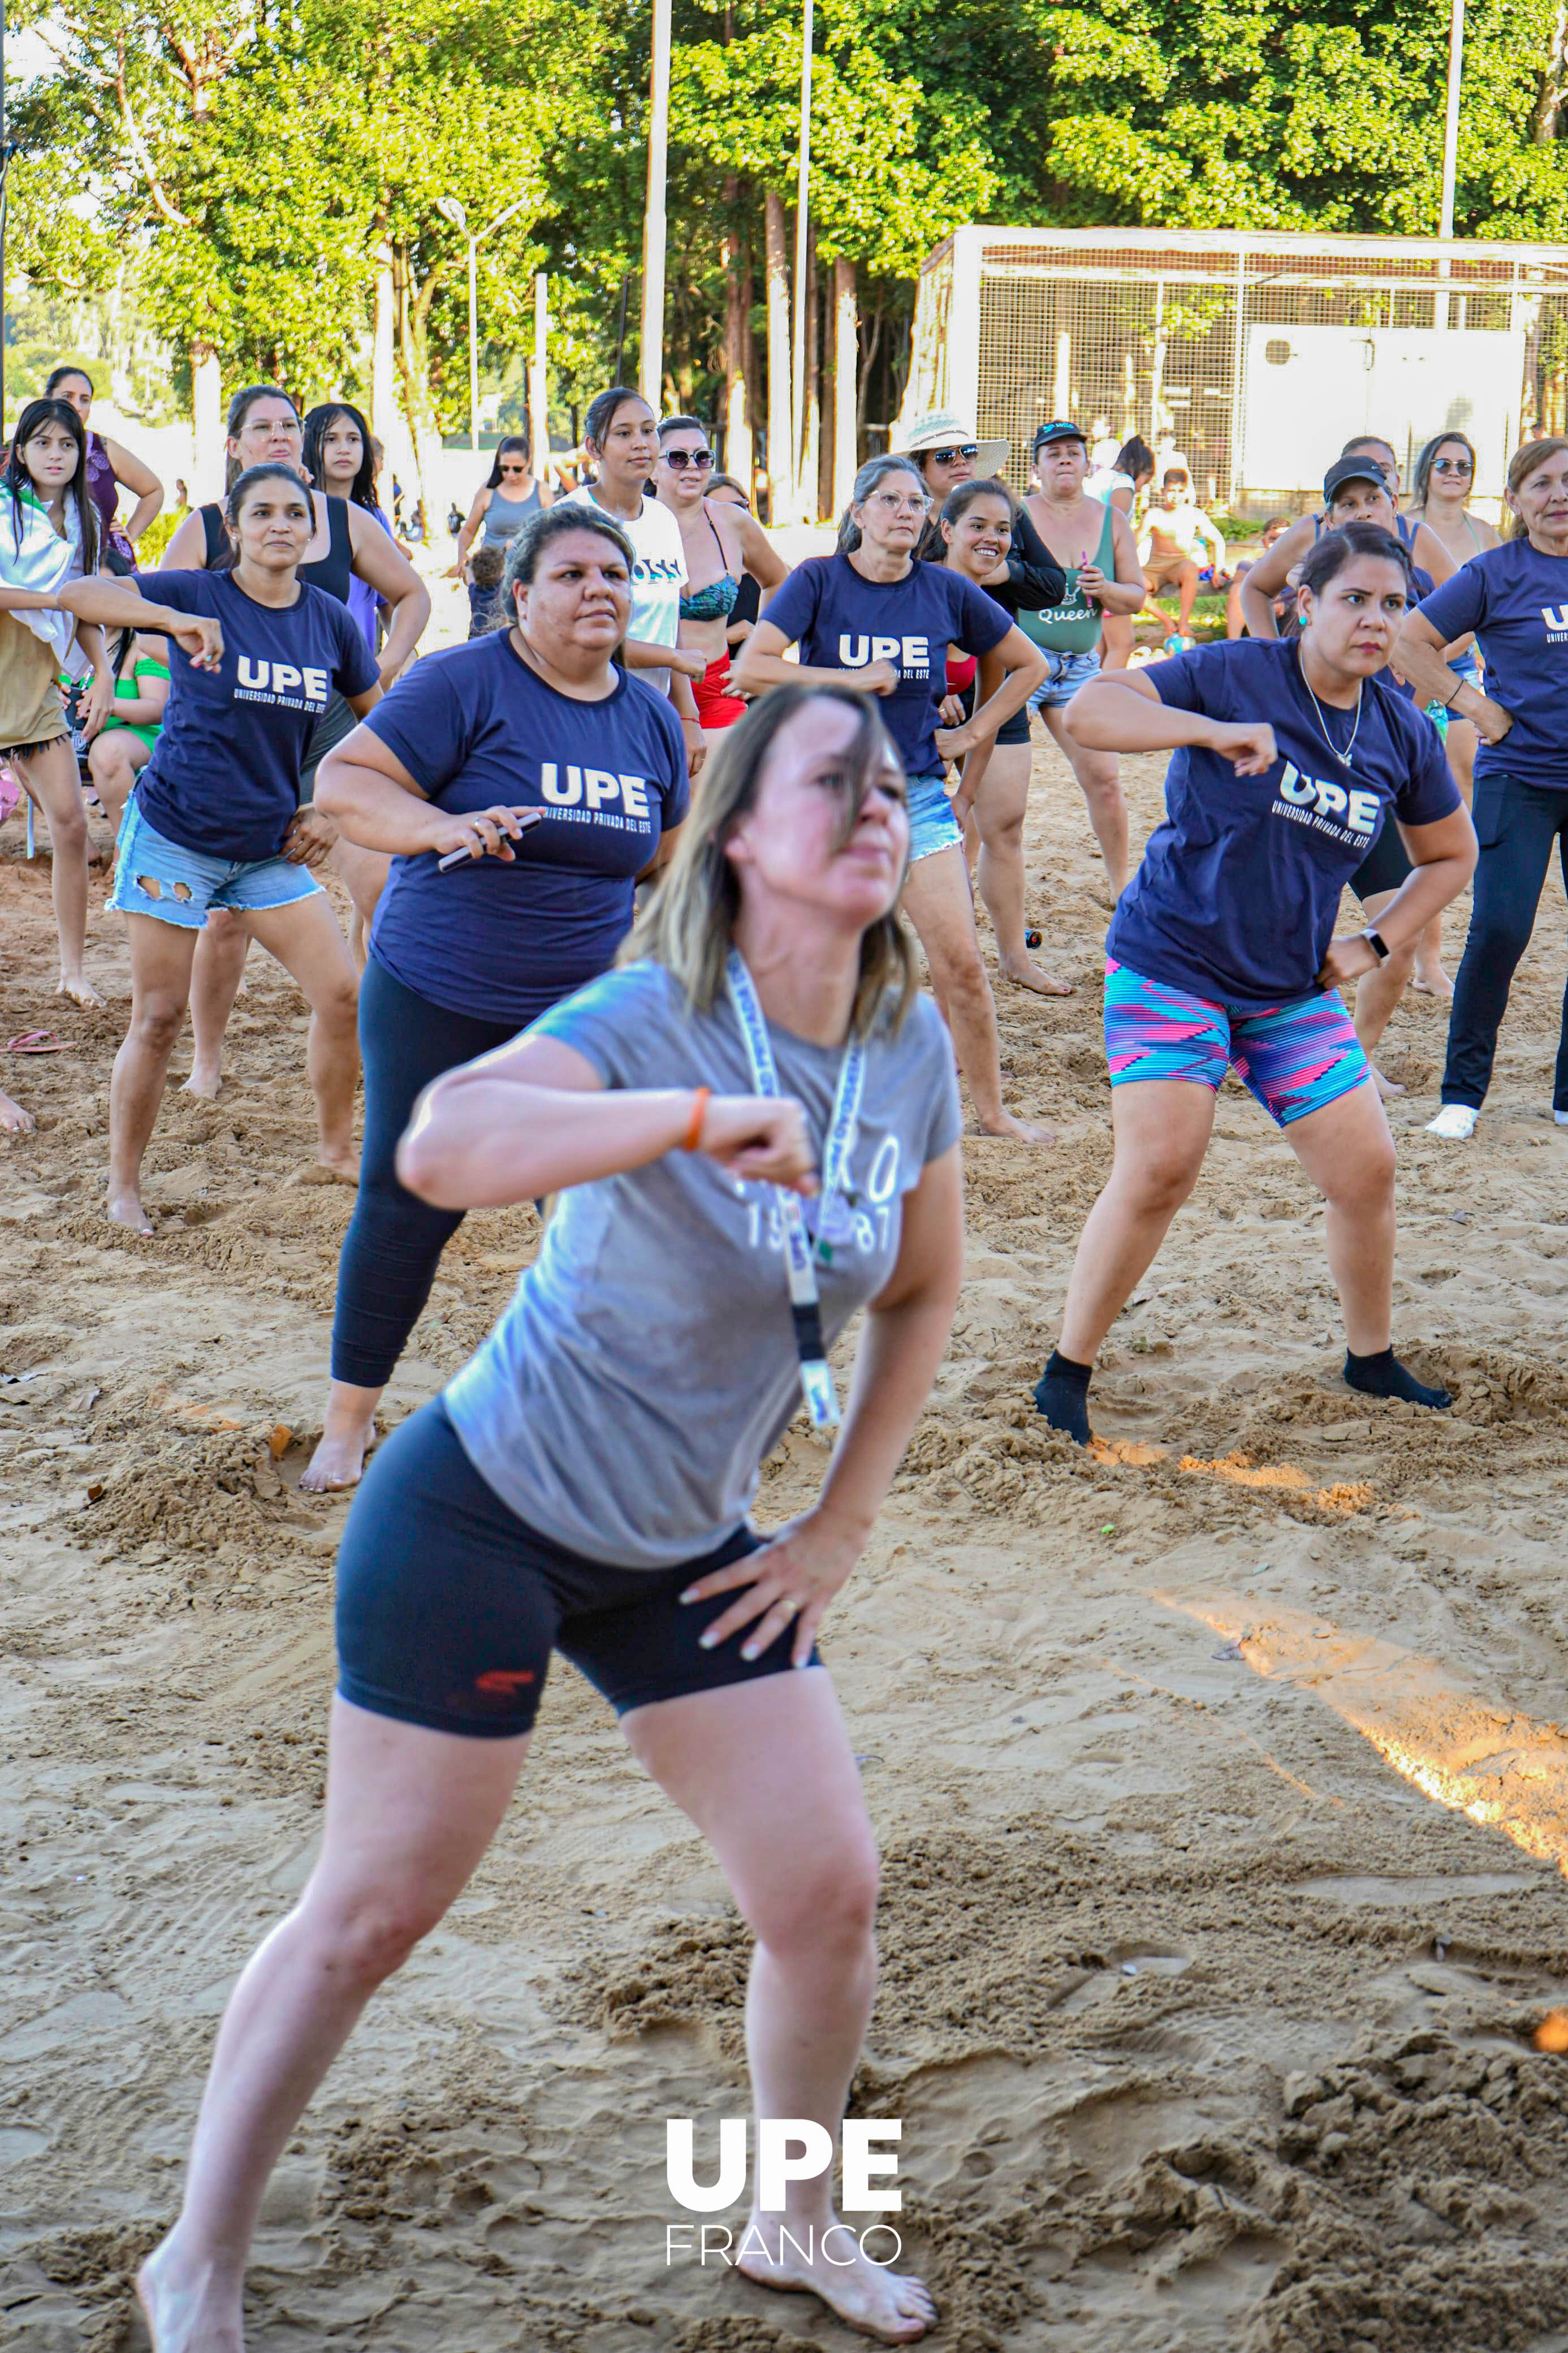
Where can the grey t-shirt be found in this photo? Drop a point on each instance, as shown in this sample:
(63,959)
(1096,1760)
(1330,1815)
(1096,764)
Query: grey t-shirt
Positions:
(646,1364)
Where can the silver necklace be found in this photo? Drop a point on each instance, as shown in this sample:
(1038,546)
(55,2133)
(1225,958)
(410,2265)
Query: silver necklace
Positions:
(1323,723)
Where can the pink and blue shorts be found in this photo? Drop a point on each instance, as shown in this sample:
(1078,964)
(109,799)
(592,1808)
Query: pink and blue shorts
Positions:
(1294,1058)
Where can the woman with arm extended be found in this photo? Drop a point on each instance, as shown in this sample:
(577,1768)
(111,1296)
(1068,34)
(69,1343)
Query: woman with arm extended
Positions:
(210,819)
(532,721)
(1514,597)
(873,620)
(752,1128)
(974,534)
(1289,757)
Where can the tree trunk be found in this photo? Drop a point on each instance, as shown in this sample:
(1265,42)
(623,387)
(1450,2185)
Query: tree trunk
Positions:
(206,399)
(778,359)
(737,307)
(414,369)
(868,357)
(1554,81)
(846,385)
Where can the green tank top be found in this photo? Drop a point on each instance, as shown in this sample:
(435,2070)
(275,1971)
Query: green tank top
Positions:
(1073,626)
(129,689)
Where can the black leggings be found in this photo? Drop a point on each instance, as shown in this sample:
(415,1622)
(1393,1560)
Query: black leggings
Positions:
(394,1243)
(1516,825)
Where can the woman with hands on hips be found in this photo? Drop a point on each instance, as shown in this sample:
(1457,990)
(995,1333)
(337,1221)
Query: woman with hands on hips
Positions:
(752,1128)
(1290,758)
(536,722)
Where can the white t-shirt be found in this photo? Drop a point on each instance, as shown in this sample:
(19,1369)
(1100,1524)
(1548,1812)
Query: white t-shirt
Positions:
(657,578)
(1107,479)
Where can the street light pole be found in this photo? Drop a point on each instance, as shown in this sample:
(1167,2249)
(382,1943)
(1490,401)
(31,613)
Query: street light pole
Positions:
(1451,136)
(452,209)
(651,343)
(803,500)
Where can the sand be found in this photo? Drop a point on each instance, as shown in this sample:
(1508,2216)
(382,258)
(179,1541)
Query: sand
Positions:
(1218,1778)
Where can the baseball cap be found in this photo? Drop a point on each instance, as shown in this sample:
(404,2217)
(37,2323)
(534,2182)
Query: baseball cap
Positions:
(1059,430)
(1356,469)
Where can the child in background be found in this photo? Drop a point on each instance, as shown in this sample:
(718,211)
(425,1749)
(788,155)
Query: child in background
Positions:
(125,744)
(485,566)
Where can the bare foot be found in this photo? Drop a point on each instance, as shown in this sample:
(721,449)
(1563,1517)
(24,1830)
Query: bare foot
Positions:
(203,1081)
(1386,1088)
(126,1210)
(1002,1123)
(185,2314)
(893,2307)
(342,1161)
(1029,974)
(1431,980)
(338,1458)
(79,989)
(13,1120)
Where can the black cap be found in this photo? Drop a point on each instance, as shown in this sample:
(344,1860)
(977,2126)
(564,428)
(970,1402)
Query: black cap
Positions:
(1355,469)
(1058,430)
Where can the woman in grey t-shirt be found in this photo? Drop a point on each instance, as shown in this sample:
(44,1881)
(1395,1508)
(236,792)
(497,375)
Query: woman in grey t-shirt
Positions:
(753,1130)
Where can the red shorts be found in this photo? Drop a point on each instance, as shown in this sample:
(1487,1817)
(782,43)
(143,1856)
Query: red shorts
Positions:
(715,707)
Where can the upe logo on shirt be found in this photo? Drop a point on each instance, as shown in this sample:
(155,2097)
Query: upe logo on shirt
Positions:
(789,2148)
(278,681)
(1357,810)
(1555,616)
(909,656)
(591,788)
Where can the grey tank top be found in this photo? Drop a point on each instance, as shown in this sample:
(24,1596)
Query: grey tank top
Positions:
(504,517)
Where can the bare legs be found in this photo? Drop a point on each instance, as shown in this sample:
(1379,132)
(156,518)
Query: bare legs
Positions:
(224,945)
(1099,782)
(937,902)
(113,762)
(1000,809)
(764,1769)
(305,939)
(1377,993)
(49,778)
(1161,1129)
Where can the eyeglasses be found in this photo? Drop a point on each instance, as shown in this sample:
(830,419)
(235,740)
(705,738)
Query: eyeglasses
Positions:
(1453,465)
(679,458)
(946,457)
(891,504)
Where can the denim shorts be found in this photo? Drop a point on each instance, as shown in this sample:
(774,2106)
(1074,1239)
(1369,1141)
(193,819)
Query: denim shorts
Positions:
(1293,1058)
(188,881)
(1064,673)
(932,825)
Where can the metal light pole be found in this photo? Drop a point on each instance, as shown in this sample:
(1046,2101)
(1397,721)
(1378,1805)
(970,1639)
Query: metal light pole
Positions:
(651,343)
(1451,135)
(801,224)
(451,209)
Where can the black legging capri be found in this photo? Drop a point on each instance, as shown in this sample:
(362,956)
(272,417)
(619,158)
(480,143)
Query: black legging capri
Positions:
(394,1243)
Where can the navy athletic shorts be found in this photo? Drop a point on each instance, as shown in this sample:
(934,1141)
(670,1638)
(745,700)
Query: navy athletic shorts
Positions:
(450,1605)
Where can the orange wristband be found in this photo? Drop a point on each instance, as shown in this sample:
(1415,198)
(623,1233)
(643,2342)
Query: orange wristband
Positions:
(691,1141)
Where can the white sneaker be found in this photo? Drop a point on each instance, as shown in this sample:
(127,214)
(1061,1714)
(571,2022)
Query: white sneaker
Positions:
(1560,1117)
(1455,1122)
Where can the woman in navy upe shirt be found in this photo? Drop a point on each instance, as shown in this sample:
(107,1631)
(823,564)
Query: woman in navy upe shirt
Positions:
(1515,598)
(1289,760)
(875,618)
(537,717)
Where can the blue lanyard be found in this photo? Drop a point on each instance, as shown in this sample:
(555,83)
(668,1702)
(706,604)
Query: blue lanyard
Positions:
(835,1224)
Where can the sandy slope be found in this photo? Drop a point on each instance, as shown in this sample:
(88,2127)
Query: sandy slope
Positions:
(1208,2016)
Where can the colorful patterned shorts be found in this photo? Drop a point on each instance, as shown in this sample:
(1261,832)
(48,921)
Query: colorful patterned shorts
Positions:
(1294,1058)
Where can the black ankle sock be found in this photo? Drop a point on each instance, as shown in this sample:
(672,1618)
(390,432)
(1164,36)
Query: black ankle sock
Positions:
(1061,1394)
(1383,1376)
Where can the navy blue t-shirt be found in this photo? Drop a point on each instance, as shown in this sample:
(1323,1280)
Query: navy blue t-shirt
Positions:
(1516,600)
(1237,895)
(224,777)
(474,727)
(841,621)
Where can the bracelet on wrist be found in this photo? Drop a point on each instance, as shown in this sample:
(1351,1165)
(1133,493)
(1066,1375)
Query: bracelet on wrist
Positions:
(692,1139)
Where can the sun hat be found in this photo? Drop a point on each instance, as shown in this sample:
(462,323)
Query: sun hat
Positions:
(941,429)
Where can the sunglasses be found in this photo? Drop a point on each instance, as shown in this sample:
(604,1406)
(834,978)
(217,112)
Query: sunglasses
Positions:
(1453,465)
(679,458)
(510,468)
(946,457)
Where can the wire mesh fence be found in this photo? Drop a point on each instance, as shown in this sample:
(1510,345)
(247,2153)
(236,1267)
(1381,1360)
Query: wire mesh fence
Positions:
(1253,358)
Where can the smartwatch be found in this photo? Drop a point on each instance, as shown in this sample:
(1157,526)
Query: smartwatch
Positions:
(1377,944)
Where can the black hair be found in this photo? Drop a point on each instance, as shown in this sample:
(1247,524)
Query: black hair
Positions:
(239,409)
(529,544)
(506,448)
(602,412)
(57,375)
(681,425)
(932,548)
(731,482)
(1423,464)
(318,423)
(1335,549)
(239,490)
(1135,457)
(37,414)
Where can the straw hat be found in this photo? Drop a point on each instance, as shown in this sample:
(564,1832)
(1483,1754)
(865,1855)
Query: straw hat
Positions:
(942,431)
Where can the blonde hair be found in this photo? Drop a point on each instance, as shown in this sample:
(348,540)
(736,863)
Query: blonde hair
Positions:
(688,926)
(1521,468)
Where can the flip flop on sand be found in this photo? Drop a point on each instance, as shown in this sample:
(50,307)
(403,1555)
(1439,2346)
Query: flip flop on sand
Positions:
(36,1041)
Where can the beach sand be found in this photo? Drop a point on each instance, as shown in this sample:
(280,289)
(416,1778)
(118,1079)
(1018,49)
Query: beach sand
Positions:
(1218,1773)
